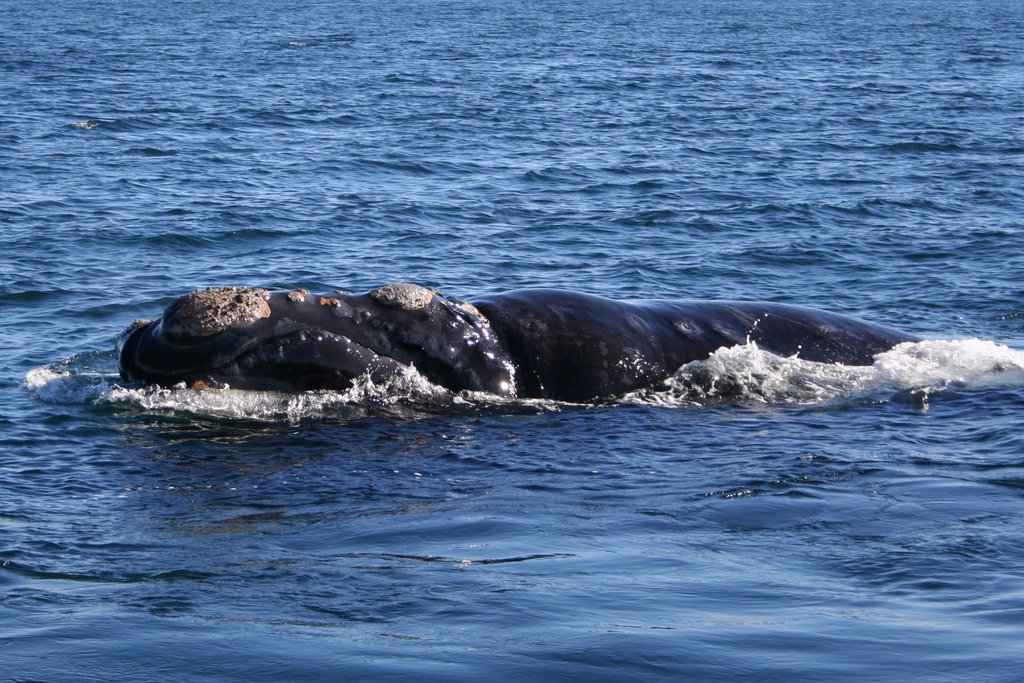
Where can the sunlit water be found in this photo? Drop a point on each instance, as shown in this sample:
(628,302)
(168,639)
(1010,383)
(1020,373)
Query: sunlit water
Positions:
(755,518)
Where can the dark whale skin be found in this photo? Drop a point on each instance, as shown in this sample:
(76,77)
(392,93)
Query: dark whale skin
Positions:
(533,343)
(578,347)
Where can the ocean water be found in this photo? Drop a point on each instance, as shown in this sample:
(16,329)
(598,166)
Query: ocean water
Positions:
(762,518)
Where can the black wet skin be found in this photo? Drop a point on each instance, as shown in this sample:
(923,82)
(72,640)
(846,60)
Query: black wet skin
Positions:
(529,343)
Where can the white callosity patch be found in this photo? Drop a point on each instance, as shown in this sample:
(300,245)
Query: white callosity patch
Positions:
(403,295)
(208,312)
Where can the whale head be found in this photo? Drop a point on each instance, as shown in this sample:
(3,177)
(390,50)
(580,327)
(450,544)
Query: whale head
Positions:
(294,340)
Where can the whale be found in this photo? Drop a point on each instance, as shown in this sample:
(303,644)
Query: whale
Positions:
(530,343)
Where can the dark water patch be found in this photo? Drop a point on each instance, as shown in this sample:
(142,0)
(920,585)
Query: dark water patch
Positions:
(395,165)
(151,152)
(15,295)
(921,146)
(105,577)
(174,240)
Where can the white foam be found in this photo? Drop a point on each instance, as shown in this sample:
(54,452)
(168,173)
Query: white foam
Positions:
(939,363)
(38,378)
(61,384)
(748,374)
(400,395)
(58,384)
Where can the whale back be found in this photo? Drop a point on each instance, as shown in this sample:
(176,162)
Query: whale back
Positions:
(578,347)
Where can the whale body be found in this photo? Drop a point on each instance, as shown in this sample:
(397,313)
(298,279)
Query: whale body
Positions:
(533,343)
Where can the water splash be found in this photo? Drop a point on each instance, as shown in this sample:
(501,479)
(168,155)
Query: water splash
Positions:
(748,374)
(404,396)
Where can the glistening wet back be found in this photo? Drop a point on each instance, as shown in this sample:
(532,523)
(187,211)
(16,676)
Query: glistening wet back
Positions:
(757,514)
(534,343)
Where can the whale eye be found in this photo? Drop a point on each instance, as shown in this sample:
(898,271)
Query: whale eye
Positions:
(402,295)
(208,312)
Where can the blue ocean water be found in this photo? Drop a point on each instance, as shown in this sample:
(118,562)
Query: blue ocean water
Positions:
(793,522)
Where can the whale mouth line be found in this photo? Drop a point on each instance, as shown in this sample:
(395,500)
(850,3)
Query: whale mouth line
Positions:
(307,358)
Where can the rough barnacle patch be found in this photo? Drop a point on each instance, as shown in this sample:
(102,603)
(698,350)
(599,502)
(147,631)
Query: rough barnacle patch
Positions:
(471,309)
(329,301)
(402,295)
(298,295)
(206,312)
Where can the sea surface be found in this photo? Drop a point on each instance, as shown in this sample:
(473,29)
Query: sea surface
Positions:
(759,519)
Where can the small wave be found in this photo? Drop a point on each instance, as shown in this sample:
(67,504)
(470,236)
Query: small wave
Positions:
(67,382)
(150,152)
(462,561)
(115,125)
(923,146)
(84,125)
